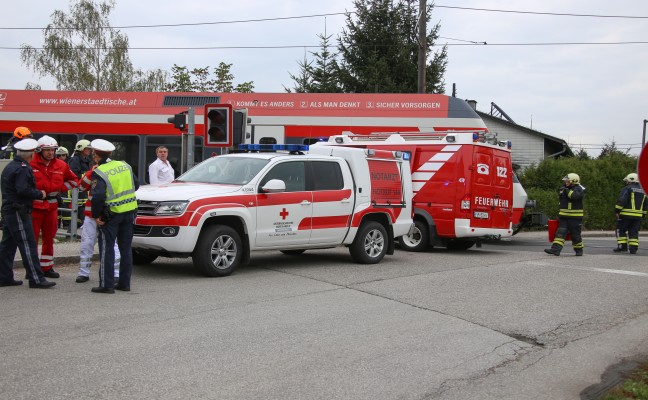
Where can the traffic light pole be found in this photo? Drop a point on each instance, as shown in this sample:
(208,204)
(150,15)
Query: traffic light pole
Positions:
(191,137)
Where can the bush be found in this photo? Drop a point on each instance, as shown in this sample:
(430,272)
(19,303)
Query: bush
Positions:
(602,179)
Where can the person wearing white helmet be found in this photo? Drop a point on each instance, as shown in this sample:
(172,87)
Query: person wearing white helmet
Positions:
(89,233)
(80,163)
(62,154)
(570,216)
(18,194)
(114,207)
(630,208)
(54,177)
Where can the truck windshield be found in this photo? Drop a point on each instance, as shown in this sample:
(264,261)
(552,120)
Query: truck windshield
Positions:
(225,170)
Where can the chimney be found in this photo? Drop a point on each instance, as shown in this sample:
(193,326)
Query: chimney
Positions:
(473,104)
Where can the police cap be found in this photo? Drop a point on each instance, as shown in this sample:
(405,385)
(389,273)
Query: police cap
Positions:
(26,145)
(102,145)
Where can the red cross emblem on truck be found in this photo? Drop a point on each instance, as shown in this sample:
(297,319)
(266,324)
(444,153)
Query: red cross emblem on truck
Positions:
(283,214)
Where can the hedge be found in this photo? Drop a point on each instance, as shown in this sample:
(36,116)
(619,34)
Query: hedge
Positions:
(602,179)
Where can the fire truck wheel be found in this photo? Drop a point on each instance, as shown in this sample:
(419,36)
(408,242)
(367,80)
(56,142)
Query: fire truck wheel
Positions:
(219,251)
(419,239)
(370,244)
(143,257)
(293,252)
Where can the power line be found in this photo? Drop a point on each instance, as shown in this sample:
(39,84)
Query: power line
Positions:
(191,23)
(542,13)
(339,13)
(318,46)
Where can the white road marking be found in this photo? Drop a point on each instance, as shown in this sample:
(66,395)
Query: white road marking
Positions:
(608,270)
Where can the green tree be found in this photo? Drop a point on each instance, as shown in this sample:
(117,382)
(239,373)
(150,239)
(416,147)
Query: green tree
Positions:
(199,80)
(601,177)
(379,49)
(82,52)
(320,74)
(303,81)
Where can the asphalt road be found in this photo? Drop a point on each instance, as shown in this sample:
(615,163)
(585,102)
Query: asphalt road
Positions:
(504,321)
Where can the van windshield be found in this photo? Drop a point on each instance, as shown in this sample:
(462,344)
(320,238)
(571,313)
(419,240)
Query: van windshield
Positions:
(225,170)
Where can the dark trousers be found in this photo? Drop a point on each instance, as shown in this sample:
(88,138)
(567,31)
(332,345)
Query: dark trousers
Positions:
(118,228)
(628,232)
(574,227)
(18,233)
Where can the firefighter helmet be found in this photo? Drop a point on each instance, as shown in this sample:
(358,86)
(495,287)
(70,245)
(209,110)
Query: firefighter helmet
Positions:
(572,177)
(22,132)
(47,142)
(631,178)
(82,145)
(61,151)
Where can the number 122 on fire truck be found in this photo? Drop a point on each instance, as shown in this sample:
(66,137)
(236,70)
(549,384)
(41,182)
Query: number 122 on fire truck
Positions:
(463,184)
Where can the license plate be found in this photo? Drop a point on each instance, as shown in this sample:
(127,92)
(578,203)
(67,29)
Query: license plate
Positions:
(481,214)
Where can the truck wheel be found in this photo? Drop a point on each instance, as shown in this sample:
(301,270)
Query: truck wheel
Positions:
(143,257)
(370,243)
(418,240)
(218,252)
(460,244)
(293,252)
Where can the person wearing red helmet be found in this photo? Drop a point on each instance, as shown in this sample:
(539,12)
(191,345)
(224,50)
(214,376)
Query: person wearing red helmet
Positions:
(54,177)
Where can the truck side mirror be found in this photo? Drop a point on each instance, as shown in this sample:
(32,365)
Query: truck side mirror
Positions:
(274,186)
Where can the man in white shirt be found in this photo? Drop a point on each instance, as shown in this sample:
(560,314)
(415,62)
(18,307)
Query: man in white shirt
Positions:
(160,170)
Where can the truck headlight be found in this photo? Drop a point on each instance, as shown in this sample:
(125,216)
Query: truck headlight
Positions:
(171,207)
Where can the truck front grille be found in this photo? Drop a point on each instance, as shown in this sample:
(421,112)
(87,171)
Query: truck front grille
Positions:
(146,207)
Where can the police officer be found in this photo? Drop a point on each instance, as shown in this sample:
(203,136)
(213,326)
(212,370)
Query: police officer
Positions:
(570,216)
(630,208)
(18,193)
(114,207)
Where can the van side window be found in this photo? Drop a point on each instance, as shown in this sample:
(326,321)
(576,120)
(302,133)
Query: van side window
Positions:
(327,175)
(293,174)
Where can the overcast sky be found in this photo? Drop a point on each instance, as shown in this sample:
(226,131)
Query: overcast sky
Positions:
(588,95)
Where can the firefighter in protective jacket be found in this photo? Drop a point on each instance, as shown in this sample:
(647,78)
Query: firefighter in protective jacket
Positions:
(630,208)
(570,216)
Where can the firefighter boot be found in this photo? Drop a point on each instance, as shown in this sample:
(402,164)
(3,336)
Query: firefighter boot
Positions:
(621,248)
(579,252)
(633,249)
(555,250)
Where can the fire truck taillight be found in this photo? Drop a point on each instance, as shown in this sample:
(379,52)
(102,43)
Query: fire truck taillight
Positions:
(465,203)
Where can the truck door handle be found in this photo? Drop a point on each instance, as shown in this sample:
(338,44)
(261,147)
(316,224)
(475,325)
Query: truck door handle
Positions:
(305,203)
(347,200)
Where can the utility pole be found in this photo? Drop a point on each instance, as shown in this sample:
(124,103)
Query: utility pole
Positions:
(422,42)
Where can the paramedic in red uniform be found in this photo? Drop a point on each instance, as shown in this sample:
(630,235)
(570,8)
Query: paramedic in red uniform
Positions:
(54,177)
(570,216)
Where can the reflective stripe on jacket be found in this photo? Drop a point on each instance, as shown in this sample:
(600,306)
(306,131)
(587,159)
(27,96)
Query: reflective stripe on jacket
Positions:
(631,202)
(120,186)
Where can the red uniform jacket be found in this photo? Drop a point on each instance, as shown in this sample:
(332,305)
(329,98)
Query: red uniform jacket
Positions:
(85,184)
(54,179)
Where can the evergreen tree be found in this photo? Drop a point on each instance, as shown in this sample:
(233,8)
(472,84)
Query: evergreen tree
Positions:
(379,49)
(320,77)
(303,81)
(82,52)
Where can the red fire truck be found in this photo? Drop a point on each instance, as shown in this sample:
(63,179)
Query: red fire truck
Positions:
(463,182)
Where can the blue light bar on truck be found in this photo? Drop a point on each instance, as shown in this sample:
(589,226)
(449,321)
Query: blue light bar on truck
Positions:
(273,147)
